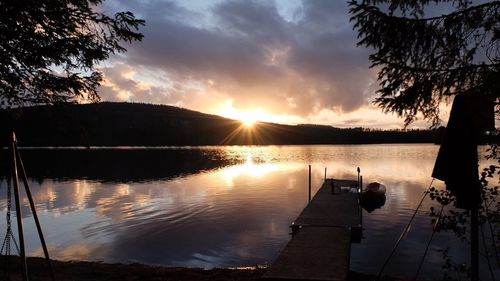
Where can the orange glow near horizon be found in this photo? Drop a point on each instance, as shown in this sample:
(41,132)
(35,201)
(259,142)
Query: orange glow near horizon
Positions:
(247,117)
(247,132)
(365,116)
(248,122)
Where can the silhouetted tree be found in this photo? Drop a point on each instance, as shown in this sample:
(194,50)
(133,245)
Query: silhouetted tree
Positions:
(48,49)
(422,59)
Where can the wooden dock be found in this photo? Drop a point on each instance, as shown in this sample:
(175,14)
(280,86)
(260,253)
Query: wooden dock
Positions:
(322,234)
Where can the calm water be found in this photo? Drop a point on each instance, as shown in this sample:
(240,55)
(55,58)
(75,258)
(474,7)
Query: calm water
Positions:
(219,206)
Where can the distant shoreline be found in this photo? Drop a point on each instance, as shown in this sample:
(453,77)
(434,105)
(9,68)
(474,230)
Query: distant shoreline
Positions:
(129,124)
(139,147)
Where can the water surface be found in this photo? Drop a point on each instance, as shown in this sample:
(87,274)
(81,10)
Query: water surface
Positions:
(219,206)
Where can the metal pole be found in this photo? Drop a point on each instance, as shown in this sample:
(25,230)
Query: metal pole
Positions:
(18,212)
(474,237)
(360,196)
(359,184)
(309,182)
(33,211)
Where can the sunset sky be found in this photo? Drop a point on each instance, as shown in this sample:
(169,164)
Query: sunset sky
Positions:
(284,61)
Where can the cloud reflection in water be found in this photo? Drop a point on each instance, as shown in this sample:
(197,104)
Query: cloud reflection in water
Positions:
(222,206)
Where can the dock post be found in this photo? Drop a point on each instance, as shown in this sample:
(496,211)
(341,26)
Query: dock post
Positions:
(360,208)
(359,171)
(309,182)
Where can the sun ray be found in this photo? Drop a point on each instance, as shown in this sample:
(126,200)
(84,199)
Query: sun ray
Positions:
(251,126)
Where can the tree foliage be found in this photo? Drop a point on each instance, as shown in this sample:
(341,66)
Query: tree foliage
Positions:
(424,59)
(49,49)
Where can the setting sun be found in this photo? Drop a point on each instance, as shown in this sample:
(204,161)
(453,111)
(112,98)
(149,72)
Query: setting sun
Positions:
(248,122)
(249,118)
(252,114)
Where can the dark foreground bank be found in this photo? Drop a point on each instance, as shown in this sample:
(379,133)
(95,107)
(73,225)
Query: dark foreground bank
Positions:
(96,271)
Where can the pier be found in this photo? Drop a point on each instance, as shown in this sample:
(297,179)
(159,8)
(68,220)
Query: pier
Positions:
(322,234)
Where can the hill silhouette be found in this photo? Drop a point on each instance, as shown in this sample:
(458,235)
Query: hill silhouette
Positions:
(135,124)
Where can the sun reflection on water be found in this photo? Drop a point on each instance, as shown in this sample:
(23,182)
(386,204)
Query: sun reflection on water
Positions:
(222,215)
(248,169)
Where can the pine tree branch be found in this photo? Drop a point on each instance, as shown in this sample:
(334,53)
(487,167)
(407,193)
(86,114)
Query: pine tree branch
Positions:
(376,10)
(428,70)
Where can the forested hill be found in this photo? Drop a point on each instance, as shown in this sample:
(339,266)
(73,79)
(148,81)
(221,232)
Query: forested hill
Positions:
(112,124)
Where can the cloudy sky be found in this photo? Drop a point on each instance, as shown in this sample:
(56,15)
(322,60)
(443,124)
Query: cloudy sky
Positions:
(285,61)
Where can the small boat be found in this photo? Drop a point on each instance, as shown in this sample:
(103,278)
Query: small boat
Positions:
(373,196)
(374,187)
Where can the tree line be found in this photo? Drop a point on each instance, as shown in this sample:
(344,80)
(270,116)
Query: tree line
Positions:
(135,124)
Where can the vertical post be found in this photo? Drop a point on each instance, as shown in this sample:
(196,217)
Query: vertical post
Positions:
(474,237)
(18,211)
(325,173)
(309,182)
(359,183)
(33,211)
(360,196)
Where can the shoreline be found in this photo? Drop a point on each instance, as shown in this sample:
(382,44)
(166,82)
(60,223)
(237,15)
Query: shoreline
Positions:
(100,271)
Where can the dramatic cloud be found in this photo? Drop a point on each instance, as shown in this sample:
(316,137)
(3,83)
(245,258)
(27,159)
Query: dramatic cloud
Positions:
(296,61)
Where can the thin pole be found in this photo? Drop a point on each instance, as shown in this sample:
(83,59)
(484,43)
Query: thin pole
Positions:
(474,237)
(325,173)
(360,189)
(359,183)
(486,250)
(406,229)
(309,182)
(33,211)
(18,211)
(434,228)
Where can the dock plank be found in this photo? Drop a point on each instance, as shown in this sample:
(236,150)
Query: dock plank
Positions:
(314,253)
(340,209)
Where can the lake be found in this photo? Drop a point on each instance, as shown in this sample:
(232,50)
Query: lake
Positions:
(225,206)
